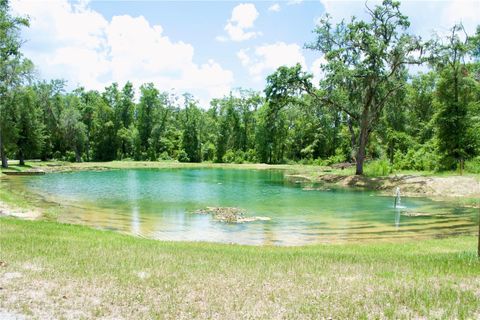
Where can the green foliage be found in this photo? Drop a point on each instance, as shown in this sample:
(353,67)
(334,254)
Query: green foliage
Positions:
(365,66)
(339,157)
(191,134)
(72,129)
(457,90)
(271,135)
(70,157)
(30,137)
(419,157)
(452,119)
(103,132)
(149,101)
(183,156)
(229,156)
(378,168)
(164,156)
(473,165)
(208,151)
(14,70)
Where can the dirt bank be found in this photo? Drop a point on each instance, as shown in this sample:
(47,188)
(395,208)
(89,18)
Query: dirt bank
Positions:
(410,185)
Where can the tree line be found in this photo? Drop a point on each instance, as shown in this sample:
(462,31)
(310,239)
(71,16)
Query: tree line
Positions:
(368,105)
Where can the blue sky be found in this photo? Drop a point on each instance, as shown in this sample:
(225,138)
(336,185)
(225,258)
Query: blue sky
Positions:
(203,47)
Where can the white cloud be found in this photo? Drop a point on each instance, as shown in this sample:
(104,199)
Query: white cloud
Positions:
(242,19)
(274,7)
(269,57)
(243,56)
(425,16)
(76,43)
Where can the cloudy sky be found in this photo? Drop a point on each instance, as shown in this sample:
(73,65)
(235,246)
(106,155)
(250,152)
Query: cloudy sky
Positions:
(203,47)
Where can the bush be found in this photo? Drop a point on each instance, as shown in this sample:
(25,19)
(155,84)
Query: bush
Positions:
(473,165)
(57,155)
(164,156)
(337,158)
(251,156)
(142,156)
(422,158)
(182,156)
(152,155)
(70,156)
(376,168)
(229,156)
(208,151)
(239,156)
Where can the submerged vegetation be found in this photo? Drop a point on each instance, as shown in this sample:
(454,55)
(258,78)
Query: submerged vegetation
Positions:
(367,107)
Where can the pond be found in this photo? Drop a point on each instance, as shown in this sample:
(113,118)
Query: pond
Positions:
(161,204)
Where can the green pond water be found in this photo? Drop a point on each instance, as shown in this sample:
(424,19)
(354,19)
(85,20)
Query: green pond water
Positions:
(160,203)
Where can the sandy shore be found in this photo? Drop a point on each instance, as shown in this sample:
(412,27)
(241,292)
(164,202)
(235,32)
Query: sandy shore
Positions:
(410,185)
(28,214)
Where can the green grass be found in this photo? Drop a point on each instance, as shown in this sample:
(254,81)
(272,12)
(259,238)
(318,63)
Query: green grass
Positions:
(57,270)
(16,199)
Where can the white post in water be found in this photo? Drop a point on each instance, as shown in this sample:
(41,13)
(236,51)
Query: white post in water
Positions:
(398,200)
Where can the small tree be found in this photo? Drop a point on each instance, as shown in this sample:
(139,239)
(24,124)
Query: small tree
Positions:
(456,91)
(30,136)
(191,143)
(10,74)
(73,130)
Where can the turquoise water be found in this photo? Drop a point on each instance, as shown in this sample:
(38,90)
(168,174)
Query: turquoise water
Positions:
(160,203)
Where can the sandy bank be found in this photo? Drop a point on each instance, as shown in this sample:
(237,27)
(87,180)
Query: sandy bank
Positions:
(410,185)
(28,214)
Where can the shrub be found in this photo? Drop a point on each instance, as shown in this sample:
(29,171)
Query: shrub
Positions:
(182,156)
(70,156)
(423,158)
(473,165)
(380,167)
(164,156)
(337,158)
(239,156)
(251,156)
(57,155)
(208,151)
(229,156)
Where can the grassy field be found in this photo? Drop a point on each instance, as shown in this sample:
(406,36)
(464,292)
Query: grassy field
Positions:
(50,270)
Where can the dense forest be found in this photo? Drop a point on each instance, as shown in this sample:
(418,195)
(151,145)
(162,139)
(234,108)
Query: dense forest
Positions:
(372,104)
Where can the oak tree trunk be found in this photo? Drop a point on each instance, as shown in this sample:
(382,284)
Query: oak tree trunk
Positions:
(361,152)
(362,141)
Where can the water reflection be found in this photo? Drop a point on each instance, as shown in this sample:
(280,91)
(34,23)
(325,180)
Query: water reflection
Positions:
(397,218)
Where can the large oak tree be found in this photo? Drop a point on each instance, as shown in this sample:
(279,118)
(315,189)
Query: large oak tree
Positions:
(366,65)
